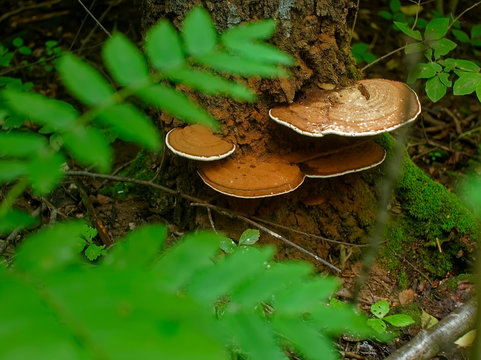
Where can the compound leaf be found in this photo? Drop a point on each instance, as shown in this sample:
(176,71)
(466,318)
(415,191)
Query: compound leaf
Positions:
(177,104)
(163,46)
(131,124)
(124,60)
(83,81)
(198,31)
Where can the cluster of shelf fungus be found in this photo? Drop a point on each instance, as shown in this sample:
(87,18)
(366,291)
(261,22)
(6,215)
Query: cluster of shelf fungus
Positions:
(345,122)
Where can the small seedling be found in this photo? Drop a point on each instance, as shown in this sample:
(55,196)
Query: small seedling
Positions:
(380,309)
(91,250)
(247,238)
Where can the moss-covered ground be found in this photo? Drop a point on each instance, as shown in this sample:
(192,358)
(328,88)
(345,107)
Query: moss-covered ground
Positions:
(434,230)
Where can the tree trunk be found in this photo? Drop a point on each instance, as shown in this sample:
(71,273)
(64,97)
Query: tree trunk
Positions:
(315,33)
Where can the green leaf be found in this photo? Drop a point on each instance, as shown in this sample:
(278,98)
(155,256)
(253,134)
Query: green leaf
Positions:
(45,172)
(177,104)
(262,53)
(130,124)
(214,282)
(50,249)
(305,338)
(254,336)
(15,219)
(427,320)
(442,47)
(411,10)
(17,42)
(399,320)
(83,81)
(210,84)
(436,28)
(466,83)
(425,70)
(394,5)
(11,170)
(460,64)
(93,251)
(138,248)
(237,65)
(25,50)
(414,47)
(57,115)
(380,309)
(306,296)
(21,144)
(249,237)
(435,89)
(444,78)
(377,324)
(200,36)
(404,27)
(89,146)
(89,233)
(163,46)
(478,91)
(460,35)
(227,245)
(125,61)
(193,253)
(257,30)
(275,278)
(386,15)
(476,31)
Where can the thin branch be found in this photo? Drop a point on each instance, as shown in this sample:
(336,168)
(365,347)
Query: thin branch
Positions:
(462,13)
(94,18)
(200,202)
(28,7)
(353,25)
(383,57)
(428,343)
(269,231)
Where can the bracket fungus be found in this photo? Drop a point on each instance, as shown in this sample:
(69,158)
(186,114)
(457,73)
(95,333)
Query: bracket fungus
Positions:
(197,142)
(370,107)
(251,177)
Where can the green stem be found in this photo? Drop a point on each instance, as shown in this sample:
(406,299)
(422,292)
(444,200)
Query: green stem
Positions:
(12,195)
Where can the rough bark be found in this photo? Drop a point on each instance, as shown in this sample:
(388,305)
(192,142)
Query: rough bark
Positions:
(315,33)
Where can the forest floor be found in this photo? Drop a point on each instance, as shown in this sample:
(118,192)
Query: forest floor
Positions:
(444,143)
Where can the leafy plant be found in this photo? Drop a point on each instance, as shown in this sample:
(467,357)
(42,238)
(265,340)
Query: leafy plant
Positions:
(380,309)
(247,238)
(140,303)
(473,39)
(400,13)
(91,250)
(361,53)
(437,71)
(192,58)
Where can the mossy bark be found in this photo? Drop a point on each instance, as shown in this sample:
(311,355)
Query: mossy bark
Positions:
(343,208)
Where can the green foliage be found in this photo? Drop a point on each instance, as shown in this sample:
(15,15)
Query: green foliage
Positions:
(84,138)
(398,12)
(380,309)
(361,53)
(441,73)
(142,301)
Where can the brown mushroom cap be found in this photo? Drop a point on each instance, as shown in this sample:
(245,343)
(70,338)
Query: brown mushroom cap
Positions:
(361,156)
(369,107)
(198,143)
(251,177)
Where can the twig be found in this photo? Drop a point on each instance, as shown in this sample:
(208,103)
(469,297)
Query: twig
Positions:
(28,7)
(427,343)
(462,13)
(209,215)
(201,202)
(384,57)
(81,26)
(95,19)
(353,25)
(417,15)
(270,232)
(102,231)
(315,236)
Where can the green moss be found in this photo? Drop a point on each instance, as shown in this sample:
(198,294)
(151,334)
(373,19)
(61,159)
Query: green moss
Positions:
(403,280)
(138,169)
(431,216)
(412,310)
